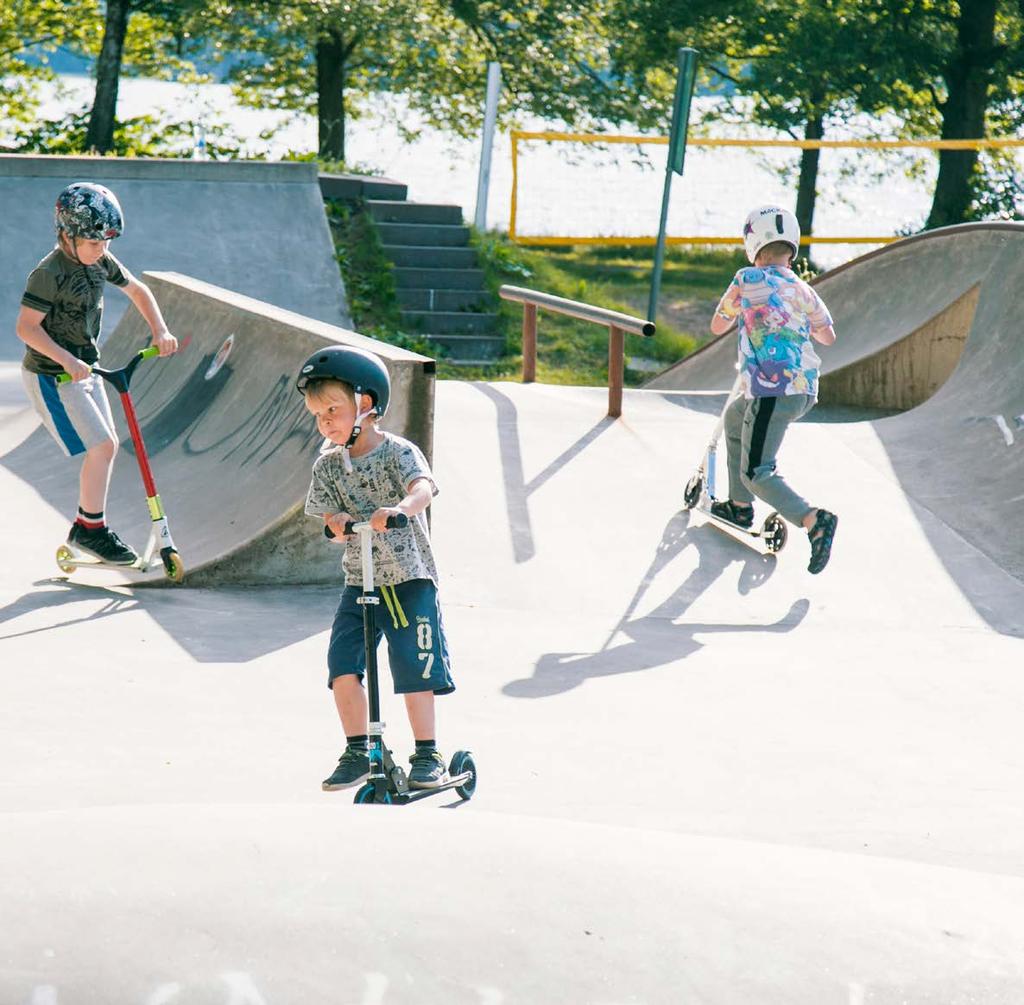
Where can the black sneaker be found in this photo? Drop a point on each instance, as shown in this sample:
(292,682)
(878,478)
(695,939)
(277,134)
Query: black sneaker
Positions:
(821,535)
(353,767)
(428,770)
(726,509)
(102,543)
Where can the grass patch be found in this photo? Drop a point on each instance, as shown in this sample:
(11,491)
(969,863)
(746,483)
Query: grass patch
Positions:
(576,352)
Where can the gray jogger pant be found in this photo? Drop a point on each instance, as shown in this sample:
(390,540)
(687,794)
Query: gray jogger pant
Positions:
(754,428)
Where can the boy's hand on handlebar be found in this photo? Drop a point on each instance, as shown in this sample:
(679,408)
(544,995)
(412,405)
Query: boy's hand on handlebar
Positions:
(166,343)
(76,369)
(335,522)
(379,520)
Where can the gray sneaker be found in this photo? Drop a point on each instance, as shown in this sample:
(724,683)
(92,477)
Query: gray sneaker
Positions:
(428,770)
(353,767)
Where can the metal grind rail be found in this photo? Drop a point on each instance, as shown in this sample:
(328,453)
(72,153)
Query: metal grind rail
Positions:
(618,325)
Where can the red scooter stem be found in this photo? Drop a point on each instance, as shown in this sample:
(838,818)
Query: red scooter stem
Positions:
(140,447)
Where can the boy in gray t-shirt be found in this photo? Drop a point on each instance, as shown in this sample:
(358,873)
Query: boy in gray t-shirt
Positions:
(59,322)
(370,475)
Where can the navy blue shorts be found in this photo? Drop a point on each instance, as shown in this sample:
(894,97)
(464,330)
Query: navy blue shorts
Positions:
(410,616)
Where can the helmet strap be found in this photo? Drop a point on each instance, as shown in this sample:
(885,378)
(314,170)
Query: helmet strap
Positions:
(357,428)
(72,243)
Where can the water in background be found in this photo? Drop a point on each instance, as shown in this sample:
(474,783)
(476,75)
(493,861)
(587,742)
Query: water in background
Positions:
(565,189)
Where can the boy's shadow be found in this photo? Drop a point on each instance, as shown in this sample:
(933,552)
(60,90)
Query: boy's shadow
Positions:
(655,638)
(231,624)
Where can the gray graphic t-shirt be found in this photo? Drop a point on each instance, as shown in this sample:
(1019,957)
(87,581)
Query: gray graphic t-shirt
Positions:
(379,478)
(71,297)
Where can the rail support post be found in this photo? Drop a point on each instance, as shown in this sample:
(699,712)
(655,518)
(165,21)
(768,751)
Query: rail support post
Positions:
(529,343)
(616,368)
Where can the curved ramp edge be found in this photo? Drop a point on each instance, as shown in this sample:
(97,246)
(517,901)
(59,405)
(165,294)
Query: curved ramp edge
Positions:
(229,439)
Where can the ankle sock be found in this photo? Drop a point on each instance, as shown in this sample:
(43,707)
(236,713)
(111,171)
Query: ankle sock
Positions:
(361,742)
(91,521)
(427,746)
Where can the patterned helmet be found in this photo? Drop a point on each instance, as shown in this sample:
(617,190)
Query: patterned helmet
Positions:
(362,370)
(767,224)
(89,211)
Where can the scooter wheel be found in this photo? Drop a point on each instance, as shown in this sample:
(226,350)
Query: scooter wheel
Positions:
(367,794)
(694,487)
(65,559)
(174,568)
(462,762)
(774,533)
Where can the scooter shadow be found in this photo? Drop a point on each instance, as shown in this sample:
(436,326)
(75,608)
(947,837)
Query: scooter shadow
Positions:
(656,638)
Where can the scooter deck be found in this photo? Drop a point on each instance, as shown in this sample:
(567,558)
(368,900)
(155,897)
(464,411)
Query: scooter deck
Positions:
(69,559)
(769,536)
(412,795)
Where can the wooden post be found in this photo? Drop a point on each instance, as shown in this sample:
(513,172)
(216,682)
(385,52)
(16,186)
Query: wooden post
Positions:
(529,343)
(616,364)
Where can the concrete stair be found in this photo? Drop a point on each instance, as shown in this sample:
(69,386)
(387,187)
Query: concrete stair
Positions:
(440,288)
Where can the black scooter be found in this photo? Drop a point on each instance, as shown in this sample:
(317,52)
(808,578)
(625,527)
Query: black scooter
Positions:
(387,781)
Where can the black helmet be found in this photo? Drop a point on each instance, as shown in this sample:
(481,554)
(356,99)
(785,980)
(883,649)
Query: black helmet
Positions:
(364,371)
(88,211)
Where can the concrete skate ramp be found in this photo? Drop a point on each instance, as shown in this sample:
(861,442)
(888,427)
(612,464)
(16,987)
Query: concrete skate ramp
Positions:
(256,228)
(705,775)
(230,441)
(930,322)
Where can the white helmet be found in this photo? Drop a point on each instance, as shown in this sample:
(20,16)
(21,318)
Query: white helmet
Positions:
(767,224)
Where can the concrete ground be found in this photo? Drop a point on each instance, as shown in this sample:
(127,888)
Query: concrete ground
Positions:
(705,775)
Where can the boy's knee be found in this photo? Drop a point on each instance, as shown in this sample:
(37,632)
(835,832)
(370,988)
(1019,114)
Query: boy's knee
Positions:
(753,477)
(103,451)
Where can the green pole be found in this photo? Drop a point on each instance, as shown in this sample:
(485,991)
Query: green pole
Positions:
(687,70)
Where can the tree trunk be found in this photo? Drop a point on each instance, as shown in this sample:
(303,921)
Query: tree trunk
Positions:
(100,134)
(331,56)
(963,111)
(807,189)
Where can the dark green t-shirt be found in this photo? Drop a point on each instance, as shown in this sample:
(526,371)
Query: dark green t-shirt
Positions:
(71,296)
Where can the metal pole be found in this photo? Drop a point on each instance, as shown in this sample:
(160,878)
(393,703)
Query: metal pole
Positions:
(490,117)
(686,60)
(659,251)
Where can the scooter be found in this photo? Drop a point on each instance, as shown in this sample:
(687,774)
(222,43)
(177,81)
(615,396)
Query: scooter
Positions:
(70,558)
(387,781)
(700,493)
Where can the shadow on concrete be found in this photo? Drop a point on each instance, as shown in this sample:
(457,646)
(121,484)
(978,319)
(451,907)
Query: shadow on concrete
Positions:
(656,639)
(517,489)
(224,625)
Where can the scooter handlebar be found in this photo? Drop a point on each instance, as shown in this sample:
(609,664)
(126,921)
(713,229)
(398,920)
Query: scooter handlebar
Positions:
(394,523)
(148,353)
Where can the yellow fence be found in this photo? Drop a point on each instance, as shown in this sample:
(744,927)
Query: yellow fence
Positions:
(518,136)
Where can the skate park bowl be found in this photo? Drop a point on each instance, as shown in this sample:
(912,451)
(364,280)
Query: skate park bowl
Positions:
(233,223)
(705,774)
(228,436)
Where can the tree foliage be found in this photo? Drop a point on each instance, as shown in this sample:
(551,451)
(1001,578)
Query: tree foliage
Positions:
(804,68)
(328,57)
(960,74)
(950,68)
(30,32)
